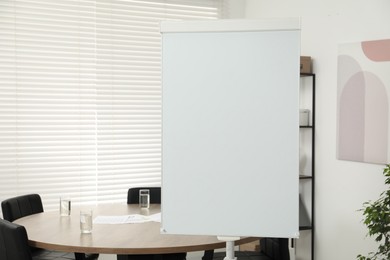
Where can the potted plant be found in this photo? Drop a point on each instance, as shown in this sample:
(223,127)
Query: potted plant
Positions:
(376,216)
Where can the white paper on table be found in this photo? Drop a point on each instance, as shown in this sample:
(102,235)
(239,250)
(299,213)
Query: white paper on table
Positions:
(127,219)
(155,217)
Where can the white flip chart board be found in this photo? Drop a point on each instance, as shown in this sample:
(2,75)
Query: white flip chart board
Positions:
(231,128)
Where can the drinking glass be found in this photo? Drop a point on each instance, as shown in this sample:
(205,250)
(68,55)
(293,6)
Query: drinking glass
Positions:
(86,221)
(144,198)
(65,206)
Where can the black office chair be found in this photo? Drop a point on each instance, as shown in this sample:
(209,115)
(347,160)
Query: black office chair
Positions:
(25,205)
(270,249)
(14,245)
(154,193)
(15,208)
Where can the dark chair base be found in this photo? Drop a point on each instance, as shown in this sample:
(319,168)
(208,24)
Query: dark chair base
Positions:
(82,256)
(51,255)
(178,256)
(41,254)
(243,255)
(208,255)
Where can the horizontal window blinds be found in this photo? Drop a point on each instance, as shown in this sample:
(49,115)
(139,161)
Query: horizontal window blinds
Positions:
(80,95)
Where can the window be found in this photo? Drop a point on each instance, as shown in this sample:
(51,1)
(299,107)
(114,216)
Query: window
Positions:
(80,95)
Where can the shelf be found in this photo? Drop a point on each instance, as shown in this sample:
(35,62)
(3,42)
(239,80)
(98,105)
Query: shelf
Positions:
(306,74)
(302,177)
(305,228)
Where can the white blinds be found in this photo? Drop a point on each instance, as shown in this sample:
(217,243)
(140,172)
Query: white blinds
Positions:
(80,95)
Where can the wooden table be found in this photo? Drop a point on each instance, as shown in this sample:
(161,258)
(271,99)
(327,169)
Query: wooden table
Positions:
(49,230)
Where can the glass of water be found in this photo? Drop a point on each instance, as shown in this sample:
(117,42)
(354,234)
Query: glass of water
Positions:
(144,198)
(65,206)
(86,221)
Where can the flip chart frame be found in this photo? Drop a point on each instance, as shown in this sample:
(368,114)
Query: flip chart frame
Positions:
(230,127)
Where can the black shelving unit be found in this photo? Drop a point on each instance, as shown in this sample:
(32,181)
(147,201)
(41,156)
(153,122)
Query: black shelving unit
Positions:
(305,222)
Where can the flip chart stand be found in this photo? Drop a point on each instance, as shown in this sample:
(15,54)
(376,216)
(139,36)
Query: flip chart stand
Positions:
(229,246)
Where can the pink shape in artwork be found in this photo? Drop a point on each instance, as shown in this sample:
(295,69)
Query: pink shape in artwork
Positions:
(377,50)
(376,119)
(351,119)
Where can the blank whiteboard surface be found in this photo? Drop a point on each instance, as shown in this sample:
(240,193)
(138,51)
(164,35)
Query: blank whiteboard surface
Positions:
(231,133)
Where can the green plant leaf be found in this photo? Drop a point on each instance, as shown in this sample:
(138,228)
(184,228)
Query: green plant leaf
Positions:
(376,216)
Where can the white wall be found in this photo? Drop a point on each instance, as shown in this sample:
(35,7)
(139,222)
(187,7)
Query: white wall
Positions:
(341,186)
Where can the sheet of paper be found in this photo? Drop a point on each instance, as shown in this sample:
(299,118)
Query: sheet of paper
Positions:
(155,217)
(127,219)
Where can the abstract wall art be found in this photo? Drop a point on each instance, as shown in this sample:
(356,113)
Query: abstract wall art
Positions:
(363,101)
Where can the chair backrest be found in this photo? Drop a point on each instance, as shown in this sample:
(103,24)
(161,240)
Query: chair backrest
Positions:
(13,242)
(133,195)
(275,248)
(21,206)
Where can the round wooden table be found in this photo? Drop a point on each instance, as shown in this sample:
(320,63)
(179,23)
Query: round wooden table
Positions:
(49,230)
